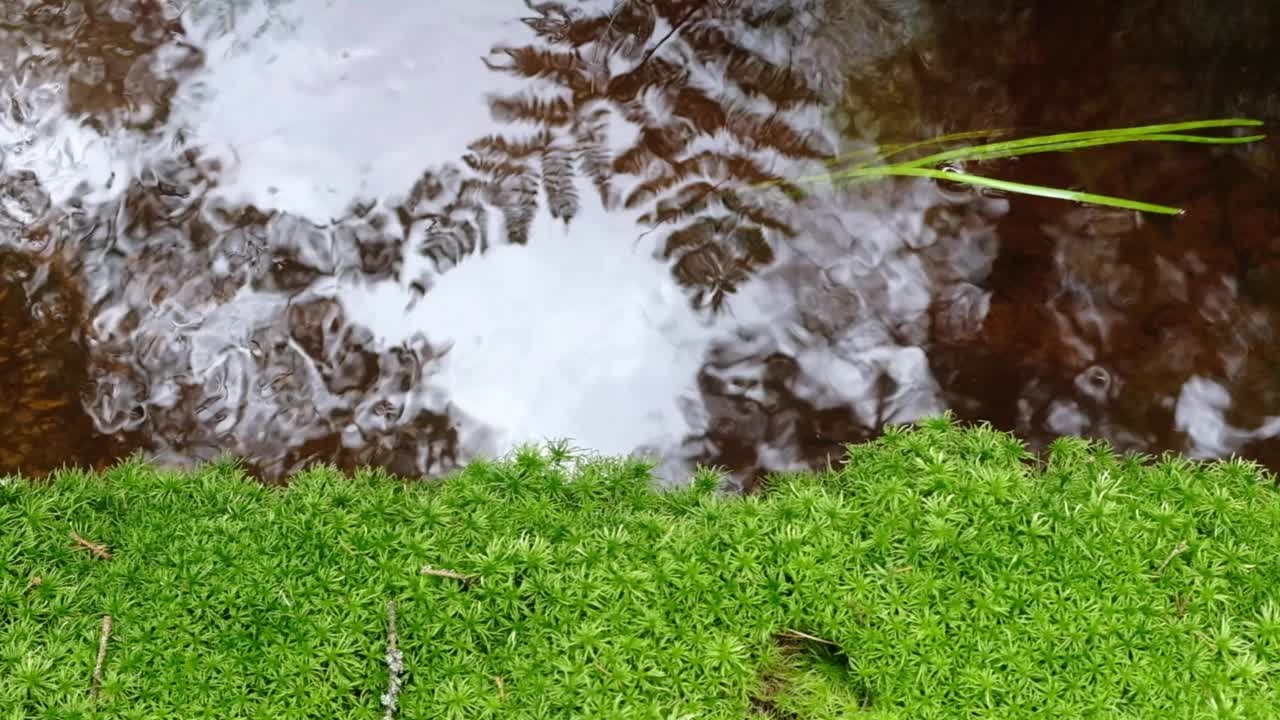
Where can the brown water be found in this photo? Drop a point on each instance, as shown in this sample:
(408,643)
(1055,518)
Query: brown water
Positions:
(386,233)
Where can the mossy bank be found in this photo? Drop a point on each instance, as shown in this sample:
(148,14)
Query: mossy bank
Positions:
(940,573)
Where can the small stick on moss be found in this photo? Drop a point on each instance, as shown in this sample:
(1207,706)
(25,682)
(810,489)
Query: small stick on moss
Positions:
(102,656)
(465,579)
(502,687)
(797,635)
(1182,547)
(98,550)
(395,665)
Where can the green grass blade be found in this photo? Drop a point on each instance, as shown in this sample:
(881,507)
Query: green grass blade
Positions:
(1060,142)
(999,150)
(1022,188)
(958,154)
(979,154)
(1120,135)
(886,151)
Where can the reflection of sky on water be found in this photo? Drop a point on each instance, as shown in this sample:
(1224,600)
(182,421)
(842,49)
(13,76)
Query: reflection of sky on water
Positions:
(347,99)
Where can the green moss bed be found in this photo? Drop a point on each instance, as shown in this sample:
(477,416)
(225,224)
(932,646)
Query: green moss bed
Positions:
(940,572)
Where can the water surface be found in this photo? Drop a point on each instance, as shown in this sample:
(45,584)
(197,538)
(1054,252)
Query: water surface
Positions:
(377,232)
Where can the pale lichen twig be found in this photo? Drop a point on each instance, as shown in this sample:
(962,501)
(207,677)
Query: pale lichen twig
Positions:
(395,665)
(102,656)
(797,635)
(436,572)
(1181,548)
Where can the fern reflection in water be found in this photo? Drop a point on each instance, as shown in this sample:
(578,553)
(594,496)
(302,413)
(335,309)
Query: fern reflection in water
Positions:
(712,116)
(709,114)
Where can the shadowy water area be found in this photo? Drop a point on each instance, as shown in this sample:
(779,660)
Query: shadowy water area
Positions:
(369,232)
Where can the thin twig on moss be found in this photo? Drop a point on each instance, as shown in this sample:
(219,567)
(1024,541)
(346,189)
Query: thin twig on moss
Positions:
(436,572)
(100,551)
(797,635)
(102,656)
(1181,548)
(395,665)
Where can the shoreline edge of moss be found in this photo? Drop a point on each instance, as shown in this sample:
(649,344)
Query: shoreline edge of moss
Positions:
(938,573)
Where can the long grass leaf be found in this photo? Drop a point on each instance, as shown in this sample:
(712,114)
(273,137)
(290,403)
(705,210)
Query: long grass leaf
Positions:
(884,152)
(1122,135)
(1060,142)
(1023,188)
(979,153)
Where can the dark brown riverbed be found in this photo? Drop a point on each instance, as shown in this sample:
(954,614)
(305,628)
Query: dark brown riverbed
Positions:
(378,233)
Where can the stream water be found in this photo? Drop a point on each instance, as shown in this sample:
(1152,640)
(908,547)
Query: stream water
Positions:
(407,234)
